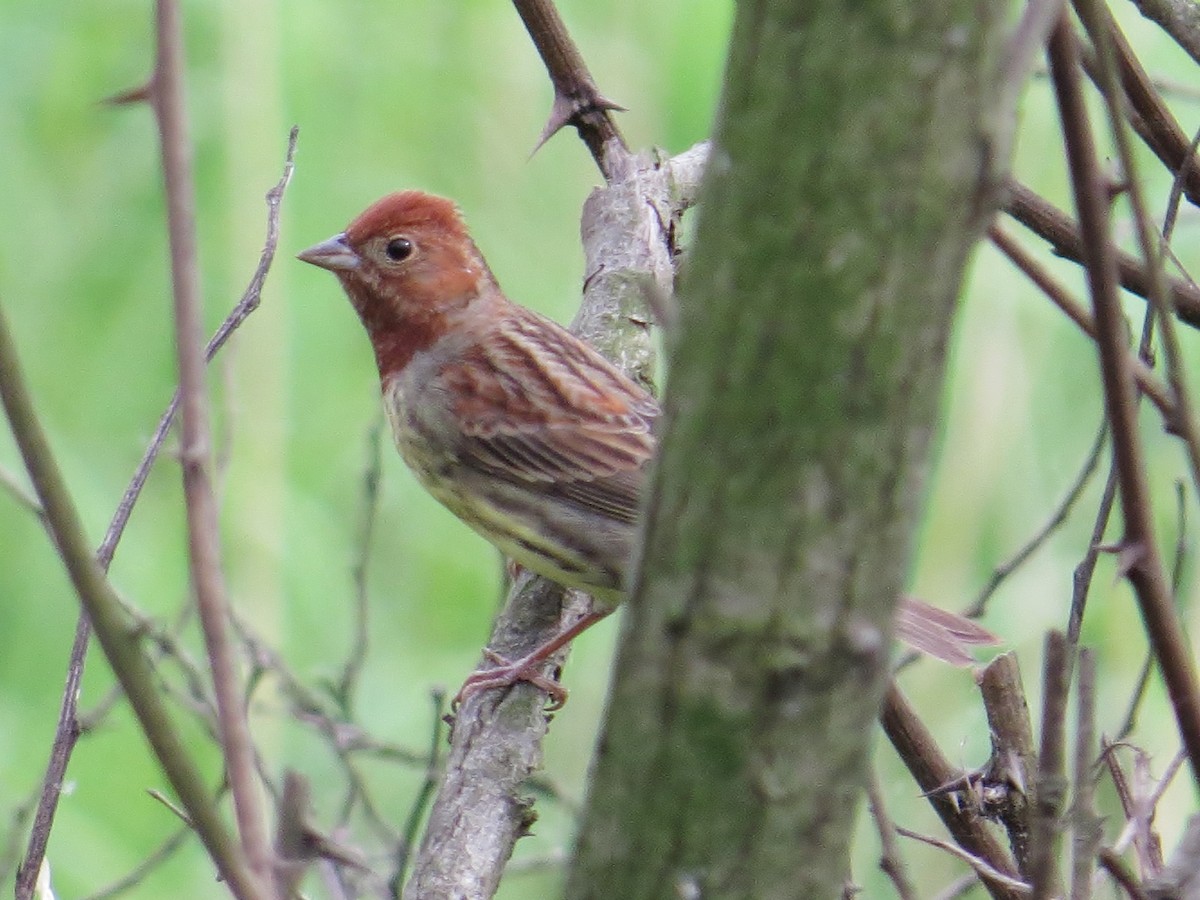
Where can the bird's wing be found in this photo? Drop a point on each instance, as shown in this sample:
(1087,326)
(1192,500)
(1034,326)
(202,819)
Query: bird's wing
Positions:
(537,406)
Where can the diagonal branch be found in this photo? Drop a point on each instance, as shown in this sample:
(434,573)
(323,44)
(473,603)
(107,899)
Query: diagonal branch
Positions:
(1056,227)
(68,729)
(577,100)
(932,772)
(112,629)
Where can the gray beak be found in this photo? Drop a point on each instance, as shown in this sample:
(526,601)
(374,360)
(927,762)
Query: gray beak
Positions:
(334,254)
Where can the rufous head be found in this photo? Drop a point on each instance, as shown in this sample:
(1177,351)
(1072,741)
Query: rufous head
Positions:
(409,267)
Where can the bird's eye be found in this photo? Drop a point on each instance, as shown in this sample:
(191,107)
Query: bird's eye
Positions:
(398,249)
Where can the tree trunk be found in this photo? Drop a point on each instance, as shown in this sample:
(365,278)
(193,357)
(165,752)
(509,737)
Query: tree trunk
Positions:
(854,164)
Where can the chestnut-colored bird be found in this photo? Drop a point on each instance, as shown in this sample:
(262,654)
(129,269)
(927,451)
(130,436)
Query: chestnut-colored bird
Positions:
(521,429)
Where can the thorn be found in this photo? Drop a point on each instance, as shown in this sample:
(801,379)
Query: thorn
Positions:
(566,109)
(1114,187)
(1128,555)
(600,103)
(963,782)
(561,114)
(1015,771)
(140,94)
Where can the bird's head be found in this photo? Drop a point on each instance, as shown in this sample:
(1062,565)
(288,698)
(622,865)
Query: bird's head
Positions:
(411,270)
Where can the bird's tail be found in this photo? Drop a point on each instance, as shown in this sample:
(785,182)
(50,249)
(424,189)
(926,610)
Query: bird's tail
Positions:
(938,633)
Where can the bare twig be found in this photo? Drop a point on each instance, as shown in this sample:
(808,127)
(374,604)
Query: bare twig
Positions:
(577,100)
(68,728)
(144,868)
(1086,826)
(931,770)
(21,494)
(104,610)
(212,603)
(1055,226)
(890,860)
(1140,805)
(1051,789)
(249,302)
(960,887)
(1014,760)
(1143,566)
(986,872)
(370,508)
(408,838)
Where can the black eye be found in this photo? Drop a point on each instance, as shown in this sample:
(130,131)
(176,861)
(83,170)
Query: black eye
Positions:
(398,249)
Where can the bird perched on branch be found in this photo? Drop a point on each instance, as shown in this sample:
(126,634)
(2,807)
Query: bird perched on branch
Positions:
(521,429)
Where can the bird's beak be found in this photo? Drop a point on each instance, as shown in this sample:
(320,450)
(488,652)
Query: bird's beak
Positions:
(334,254)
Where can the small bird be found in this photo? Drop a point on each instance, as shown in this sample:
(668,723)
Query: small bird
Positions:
(518,427)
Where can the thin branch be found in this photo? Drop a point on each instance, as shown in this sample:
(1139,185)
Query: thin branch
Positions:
(1051,788)
(1085,570)
(212,603)
(577,100)
(249,302)
(68,728)
(104,610)
(1143,567)
(408,838)
(931,770)
(1056,519)
(1101,28)
(890,860)
(366,530)
(21,494)
(986,872)
(1086,826)
(1140,808)
(1147,381)
(144,868)
(1063,234)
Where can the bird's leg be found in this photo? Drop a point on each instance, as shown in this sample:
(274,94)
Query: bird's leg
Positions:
(506,673)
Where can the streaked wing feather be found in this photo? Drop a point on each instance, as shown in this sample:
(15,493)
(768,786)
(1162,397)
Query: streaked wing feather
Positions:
(615,496)
(537,406)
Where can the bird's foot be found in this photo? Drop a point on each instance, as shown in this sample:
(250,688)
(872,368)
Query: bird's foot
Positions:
(505,673)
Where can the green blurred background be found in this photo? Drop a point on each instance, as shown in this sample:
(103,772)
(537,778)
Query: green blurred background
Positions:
(448,97)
